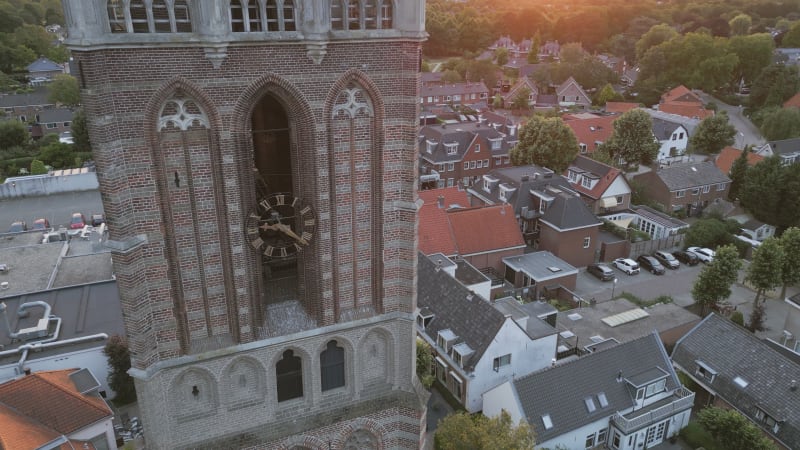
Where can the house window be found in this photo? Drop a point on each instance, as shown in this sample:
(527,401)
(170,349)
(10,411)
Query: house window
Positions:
(680,194)
(331,363)
(448,98)
(161,17)
(449,182)
(472,164)
(586,182)
(681,135)
(457,358)
(486,163)
(139,17)
(601,436)
(452,149)
(466,181)
(721,187)
(496,144)
(370,15)
(696,191)
(616,440)
(767,420)
(501,361)
(455,385)
(706,189)
(619,199)
(572,176)
(704,372)
(289,375)
(451,167)
(51,125)
(674,136)
(23,119)
(586,241)
(440,184)
(441,167)
(484,95)
(590,441)
(477,148)
(655,388)
(430,99)
(429,146)
(479,164)
(424,321)
(583,148)
(457,98)
(441,371)
(67,124)
(466,165)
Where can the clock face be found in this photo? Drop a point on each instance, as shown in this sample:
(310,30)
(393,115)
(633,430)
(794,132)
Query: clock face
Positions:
(280,226)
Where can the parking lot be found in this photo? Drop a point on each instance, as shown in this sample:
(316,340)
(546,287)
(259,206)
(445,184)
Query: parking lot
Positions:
(57,208)
(675,283)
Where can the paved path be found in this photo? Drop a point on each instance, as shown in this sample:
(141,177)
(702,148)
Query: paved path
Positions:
(746,132)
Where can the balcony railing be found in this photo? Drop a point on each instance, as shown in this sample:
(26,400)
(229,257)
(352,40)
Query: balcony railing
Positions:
(681,400)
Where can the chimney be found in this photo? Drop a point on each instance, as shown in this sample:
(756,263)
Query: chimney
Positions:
(619,377)
(512,130)
(26,370)
(793,386)
(4,319)
(440,201)
(438,264)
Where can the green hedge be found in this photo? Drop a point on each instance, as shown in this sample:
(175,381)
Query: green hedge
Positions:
(696,436)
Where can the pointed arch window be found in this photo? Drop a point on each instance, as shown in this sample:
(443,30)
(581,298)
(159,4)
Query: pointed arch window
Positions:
(332,366)
(338,20)
(370,14)
(386,14)
(288,16)
(353,15)
(161,21)
(273,21)
(116,16)
(289,375)
(183,23)
(139,17)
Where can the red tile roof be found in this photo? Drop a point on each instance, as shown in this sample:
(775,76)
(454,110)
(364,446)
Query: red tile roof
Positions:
(606,173)
(686,109)
(793,102)
(435,235)
(682,94)
(485,229)
(620,107)
(728,155)
(589,131)
(52,399)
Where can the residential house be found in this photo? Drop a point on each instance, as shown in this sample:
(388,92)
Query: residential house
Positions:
(786,56)
(673,138)
(433,78)
(533,192)
(43,68)
(505,124)
(646,219)
(728,155)
(528,70)
(629,76)
(52,121)
(591,131)
(685,186)
(787,149)
(550,49)
(540,274)
(453,230)
(734,369)
(461,93)
(793,102)
(462,153)
(624,397)
(603,187)
(523,84)
(25,107)
(570,93)
(58,409)
(683,102)
(476,346)
(791,327)
(752,228)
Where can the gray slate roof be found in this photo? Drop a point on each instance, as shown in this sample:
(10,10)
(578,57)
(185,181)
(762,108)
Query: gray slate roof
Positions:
(44,65)
(36,98)
(569,212)
(691,175)
(785,146)
(560,391)
(56,115)
(663,129)
(538,178)
(733,351)
(475,322)
(462,88)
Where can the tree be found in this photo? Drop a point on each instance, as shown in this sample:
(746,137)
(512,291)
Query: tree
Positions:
(522,99)
(713,134)
(536,42)
(632,138)
(713,284)
(34,37)
(770,193)
(572,53)
(792,37)
(477,432)
(710,232)
(738,173)
(12,134)
(790,273)
(740,25)
(425,363)
(119,360)
(765,270)
(779,123)
(497,103)
(546,142)
(501,56)
(774,85)
(656,35)
(64,90)
(451,76)
(57,155)
(605,95)
(80,132)
(38,168)
(732,431)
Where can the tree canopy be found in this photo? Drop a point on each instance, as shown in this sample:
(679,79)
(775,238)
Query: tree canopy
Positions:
(770,193)
(546,142)
(461,431)
(764,271)
(632,138)
(732,431)
(12,134)
(774,85)
(738,173)
(790,243)
(713,284)
(713,134)
(64,90)
(778,123)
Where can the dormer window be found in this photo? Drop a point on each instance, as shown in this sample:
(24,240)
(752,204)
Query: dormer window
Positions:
(460,353)
(506,191)
(655,388)
(424,318)
(430,145)
(586,182)
(705,372)
(572,176)
(445,339)
(496,143)
(768,421)
(452,148)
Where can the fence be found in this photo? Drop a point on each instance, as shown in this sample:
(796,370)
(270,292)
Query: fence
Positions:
(648,247)
(37,185)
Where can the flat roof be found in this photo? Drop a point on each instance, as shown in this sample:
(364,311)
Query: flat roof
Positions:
(661,317)
(84,310)
(541,266)
(468,275)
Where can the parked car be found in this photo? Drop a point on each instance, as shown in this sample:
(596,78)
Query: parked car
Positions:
(651,264)
(704,254)
(627,265)
(18,227)
(97,219)
(41,224)
(77,221)
(667,259)
(601,271)
(686,257)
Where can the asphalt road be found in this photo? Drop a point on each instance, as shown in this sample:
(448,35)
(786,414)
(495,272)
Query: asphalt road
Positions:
(57,208)
(746,132)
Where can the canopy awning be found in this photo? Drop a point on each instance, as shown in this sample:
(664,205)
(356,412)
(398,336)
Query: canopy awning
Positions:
(622,223)
(608,202)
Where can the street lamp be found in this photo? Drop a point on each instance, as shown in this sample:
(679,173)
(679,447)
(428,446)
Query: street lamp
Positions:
(613,288)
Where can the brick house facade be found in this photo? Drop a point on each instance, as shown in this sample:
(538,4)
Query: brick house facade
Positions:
(204,122)
(689,187)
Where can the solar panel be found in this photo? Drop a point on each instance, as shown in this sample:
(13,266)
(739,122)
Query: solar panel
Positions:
(625,317)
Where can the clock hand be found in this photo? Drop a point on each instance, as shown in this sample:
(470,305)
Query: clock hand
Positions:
(288,231)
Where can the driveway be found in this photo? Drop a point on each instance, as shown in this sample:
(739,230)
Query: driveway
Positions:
(675,283)
(746,132)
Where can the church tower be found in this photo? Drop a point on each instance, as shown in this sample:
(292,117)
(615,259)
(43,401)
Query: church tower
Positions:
(257,161)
